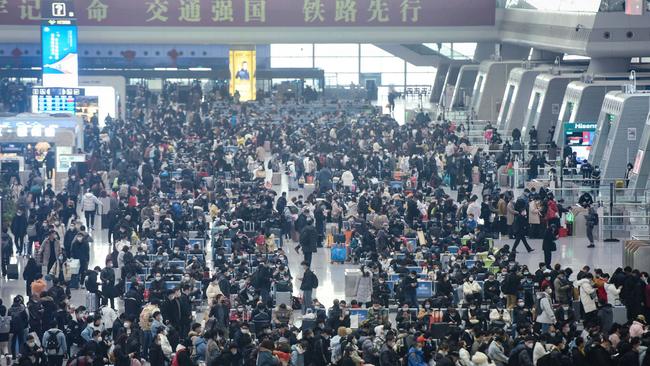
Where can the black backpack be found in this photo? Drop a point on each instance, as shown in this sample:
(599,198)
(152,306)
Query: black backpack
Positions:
(52,345)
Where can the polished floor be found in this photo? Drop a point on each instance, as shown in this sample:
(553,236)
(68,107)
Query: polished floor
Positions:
(572,252)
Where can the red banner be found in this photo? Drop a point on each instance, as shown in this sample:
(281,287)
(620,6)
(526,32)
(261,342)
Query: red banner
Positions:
(263,13)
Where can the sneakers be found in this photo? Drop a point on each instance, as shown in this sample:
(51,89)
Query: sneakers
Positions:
(591,245)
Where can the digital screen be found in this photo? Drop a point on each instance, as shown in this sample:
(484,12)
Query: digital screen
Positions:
(59,55)
(56,104)
(242,74)
(580,137)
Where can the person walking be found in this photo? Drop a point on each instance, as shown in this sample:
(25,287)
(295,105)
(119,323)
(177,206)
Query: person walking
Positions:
(520,230)
(548,245)
(307,286)
(19,230)
(89,204)
(50,250)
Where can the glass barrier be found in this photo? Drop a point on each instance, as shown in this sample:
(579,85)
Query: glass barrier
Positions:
(590,6)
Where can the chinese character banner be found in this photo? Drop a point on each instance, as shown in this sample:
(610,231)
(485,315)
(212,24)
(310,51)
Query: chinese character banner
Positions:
(269,13)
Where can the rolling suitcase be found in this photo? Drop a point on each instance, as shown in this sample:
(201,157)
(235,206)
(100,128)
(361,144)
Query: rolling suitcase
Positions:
(12,271)
(338,254)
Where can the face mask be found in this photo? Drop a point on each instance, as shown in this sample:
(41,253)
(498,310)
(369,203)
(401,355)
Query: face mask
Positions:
(158,278)
(234,351)
(521,304)
(471,279)
(99,339)
(31,344)
(127,325)
(426,306)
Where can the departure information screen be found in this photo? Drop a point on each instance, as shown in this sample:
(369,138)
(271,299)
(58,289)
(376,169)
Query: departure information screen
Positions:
(56,104)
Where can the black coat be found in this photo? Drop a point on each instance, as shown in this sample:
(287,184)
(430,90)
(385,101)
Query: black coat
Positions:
(598,356)
(19,225)
(309,239)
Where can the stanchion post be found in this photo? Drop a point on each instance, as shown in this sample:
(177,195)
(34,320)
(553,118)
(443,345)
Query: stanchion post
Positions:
(611,238)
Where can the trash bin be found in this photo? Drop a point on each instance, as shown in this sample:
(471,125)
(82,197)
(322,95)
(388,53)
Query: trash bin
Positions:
(352,276)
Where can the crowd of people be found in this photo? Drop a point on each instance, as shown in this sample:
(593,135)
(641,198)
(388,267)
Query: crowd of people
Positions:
(200,243)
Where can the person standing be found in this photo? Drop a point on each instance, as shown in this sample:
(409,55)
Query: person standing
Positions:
(307,286)
(308,241)
(591,220)
(89,204)
(81,251)
(55,346)
(548,245)
(7,248)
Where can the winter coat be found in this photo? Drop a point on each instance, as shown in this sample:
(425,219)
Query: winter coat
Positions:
(547,316)
(510,215)
(586,289)
(534,213)
(309,239)
(44,254)
(89,202)
(612,293)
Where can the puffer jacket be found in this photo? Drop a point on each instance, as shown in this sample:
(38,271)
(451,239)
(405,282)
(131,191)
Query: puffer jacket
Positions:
(89,202)
(586,289)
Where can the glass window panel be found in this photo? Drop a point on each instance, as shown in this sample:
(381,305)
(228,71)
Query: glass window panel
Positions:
(465,49)
(335,49)
(412,68)
(291,50)
(392,78)
(420,78)
(289,62)
(372,50)
(341,78)
(338,64)
(382,64)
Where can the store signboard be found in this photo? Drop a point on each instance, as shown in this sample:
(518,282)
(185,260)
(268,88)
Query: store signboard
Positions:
(64,162)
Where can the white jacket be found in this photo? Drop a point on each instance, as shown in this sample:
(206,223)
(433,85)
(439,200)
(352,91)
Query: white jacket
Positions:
(612,294)
(89,202)
(470,288)
(586,289)
(347,177)
(108,316)
(504,315)
(547,316)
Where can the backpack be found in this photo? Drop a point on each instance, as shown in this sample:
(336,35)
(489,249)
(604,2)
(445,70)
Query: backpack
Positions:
(538,306)
(546,360)
(52,345)
(31,230)
(513,360)
(5,324)
(315,280)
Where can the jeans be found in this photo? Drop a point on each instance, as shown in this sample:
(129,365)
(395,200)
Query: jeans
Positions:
(148,337)
(306,300)
(307,257)
(90,218)
(412,299)
(17,340)
(521,238)
(590,234)
(547,258)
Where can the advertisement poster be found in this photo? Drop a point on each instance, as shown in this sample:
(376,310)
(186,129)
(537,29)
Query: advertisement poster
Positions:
(59,55)
(242,74)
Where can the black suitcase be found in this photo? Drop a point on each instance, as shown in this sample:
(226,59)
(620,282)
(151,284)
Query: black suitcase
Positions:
(12,271)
